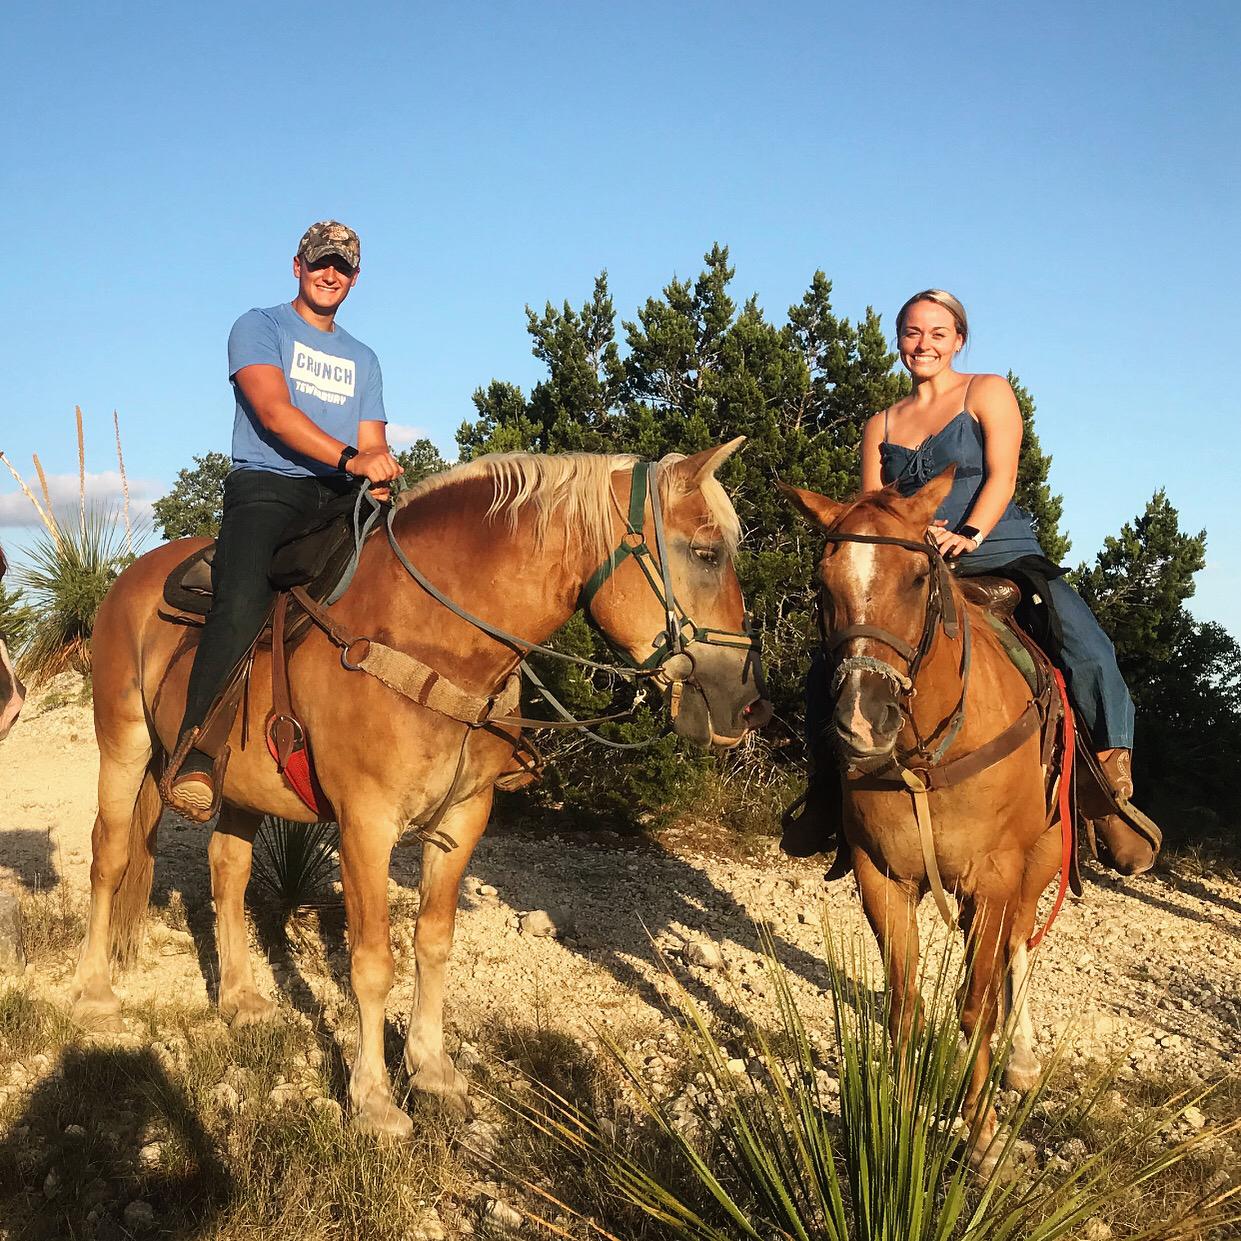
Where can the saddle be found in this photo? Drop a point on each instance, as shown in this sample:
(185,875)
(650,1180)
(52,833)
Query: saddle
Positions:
(311,568)
(314,554)
(1001,598)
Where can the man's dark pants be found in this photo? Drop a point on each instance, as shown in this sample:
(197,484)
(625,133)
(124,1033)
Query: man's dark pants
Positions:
(259,507)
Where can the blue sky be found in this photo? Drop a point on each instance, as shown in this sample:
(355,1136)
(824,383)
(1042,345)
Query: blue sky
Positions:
(1069,170)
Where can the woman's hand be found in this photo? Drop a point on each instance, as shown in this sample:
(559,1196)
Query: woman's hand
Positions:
(949,542)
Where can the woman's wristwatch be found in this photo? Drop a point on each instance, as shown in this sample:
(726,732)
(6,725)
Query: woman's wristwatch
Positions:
(970,532)
(347,454)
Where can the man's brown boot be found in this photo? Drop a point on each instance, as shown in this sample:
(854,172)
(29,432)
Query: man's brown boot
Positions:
(192,794)
(1131,852)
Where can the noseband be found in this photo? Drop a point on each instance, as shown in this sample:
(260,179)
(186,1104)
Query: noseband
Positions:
(941,613)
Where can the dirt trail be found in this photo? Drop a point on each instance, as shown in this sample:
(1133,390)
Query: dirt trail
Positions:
(1156,959)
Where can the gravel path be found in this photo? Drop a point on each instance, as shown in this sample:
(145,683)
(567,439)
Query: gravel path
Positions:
(1155,959)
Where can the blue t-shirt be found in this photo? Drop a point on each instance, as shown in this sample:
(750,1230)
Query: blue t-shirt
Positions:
(333,379)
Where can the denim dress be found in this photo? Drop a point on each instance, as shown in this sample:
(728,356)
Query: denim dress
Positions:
(1087,656)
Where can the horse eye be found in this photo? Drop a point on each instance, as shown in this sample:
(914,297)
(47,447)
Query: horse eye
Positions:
(920,579)
(707,554)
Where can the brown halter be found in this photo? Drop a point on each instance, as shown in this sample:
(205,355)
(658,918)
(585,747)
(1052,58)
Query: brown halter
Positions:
(941,612)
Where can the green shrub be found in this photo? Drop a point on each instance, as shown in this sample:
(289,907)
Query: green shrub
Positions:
(70,569)
(294,862)
(861,1145)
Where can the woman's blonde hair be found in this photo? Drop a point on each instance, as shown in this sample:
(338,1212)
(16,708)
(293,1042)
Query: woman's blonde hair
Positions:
(941,297)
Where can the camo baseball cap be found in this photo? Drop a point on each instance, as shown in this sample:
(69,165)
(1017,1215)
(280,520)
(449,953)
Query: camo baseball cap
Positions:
(330,237)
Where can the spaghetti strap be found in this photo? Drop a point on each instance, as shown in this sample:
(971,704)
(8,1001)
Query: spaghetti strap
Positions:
(965,399)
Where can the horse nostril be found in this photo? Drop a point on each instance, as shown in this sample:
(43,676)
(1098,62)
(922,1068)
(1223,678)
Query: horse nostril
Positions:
(891,718)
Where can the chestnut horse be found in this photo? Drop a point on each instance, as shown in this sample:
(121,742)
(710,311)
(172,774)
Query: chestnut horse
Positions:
(511,539)
(12,691)
(904,687)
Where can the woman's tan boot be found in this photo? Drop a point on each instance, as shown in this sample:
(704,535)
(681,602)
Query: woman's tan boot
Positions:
(1131,852)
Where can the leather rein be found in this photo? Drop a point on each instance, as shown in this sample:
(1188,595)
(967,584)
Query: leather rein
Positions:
(670,662)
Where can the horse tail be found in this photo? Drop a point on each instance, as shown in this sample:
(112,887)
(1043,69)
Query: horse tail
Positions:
(129,904)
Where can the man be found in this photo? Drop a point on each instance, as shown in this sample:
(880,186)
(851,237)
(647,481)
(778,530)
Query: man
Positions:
(309,421)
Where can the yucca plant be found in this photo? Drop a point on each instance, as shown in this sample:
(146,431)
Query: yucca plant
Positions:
(68,571)
(863,1145)
(16,620)
(293,862)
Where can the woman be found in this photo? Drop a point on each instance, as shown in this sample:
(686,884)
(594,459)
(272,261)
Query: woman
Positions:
(972,422)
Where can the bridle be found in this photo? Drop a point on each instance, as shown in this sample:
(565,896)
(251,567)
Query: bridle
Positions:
(670,663)
(941,613)
(670,659)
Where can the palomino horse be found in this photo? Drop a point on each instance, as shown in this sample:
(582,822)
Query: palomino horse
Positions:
(512,539)
(908,694)
(12,691)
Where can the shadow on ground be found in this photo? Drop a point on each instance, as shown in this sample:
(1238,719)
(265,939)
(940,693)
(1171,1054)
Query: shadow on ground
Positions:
(73,1162)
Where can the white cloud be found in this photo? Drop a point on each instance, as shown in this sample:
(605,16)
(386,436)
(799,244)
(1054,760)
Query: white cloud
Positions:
(103,490)
(401,436)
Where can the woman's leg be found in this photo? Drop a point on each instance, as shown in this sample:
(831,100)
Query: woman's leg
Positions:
(1089,660)
(1102,698)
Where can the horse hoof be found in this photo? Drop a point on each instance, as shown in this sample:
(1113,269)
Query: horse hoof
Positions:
(248,1008)
(98,1016)
(985,1156)
(440,1077)
(1023,1077)
(382,1118)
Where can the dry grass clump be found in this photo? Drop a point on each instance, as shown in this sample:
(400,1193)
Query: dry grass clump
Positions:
(53,922)
(29,1025)
(1208,1168)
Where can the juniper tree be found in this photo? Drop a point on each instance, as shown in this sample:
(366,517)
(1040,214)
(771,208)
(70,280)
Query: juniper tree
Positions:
(420,459)
(696,369)
(1185,675)
(1033,490)
(195,502)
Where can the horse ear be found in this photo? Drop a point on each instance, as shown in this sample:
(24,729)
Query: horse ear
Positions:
(822,511)
(921,507)
(691,472)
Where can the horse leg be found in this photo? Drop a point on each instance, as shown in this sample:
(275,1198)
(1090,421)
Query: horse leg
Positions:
(230,852)
(986,950)
(129,807)
(890,907)
(430,1067)
(365,854)
(1023,1070)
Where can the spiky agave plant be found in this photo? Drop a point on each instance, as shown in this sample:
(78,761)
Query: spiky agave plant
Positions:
(294,861)
(16,620)
(68,571)
(864,1145)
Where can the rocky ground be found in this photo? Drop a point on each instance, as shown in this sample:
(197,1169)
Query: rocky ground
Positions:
(560,931)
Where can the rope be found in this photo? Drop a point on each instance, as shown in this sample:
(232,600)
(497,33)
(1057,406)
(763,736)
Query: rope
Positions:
(1066,807)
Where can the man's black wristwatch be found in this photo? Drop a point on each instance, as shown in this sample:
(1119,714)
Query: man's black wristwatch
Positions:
(970,532)
(347,454)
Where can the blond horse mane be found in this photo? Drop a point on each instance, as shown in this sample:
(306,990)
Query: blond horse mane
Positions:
(577,484)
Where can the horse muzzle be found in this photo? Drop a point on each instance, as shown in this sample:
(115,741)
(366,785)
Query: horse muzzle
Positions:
(868,723)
